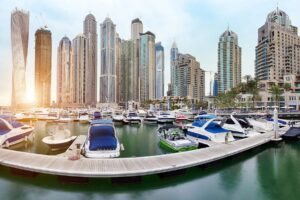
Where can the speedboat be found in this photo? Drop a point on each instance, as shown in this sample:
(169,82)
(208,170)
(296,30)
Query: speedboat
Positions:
(118,119)
(165,117)
(239,127)
(150,118)
(206,127)
(172,138)
(60,140)
(13,132)
(132,118)
(64,118)
(102,141)
(142,113)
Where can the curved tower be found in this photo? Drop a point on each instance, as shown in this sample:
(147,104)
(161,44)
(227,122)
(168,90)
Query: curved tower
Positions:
(19,42)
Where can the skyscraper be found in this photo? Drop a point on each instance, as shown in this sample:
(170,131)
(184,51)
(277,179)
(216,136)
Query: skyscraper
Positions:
(189,77)
(278,48)
(136,30)
(229,61)
(119,74)
(160,68)
(108,66)
(173,57)
(43,64)
(147,66)
(78,70)
(90,32)
(19,42)
(64,64)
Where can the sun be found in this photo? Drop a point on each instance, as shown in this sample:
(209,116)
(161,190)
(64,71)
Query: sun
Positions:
(30,96)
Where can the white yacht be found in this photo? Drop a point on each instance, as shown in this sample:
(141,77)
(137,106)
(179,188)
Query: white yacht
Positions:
(166,117)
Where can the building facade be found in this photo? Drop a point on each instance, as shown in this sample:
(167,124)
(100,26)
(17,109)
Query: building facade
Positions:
(229,61)
(19,42)
(173,57)
(147,66)
(78,70)
(160,68)
(64,64)
(43,64)
(189,77)
(136,30)
(278,48)
(215,85)
(90,32)
(108,66)
(119,74)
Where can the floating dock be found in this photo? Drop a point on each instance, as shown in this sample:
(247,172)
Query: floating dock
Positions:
(125,167)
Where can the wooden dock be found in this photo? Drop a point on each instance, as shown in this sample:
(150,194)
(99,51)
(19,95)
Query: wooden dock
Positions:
(126,167)
(72,150)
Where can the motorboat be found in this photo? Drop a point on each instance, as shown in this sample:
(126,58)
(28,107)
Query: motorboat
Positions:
(186,112)
(24,117)
(207,127)
(132,118)
(61,139)
(239,127)
(64,118)
(165,117)
(142,113)
(102,141)
(150,118)
(118,119)
(84,118)
(172,138)
(13,132)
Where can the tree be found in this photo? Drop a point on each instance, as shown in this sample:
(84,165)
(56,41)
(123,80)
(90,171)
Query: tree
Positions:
(286,87)
(276,92)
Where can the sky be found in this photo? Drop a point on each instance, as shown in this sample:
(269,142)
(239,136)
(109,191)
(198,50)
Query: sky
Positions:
(195,25)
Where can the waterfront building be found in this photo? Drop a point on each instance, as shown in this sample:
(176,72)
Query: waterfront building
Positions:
(43,64)
(215,85)
(160,68)
(127,78)
(278,48)
(78,70)
(147,66)
(136,30)
(229,61)
(64,64)
(19,43)
(90,32)
(189,78)
(119,67)
(173,57)
(108,65)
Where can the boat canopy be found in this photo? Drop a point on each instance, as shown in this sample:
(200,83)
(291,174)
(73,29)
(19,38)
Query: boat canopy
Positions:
(102,138)
(11,120)
(206,116)
(4,127)
(102,121)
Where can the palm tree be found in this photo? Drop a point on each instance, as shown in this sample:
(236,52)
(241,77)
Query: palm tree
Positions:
(252,87)
(286,87)
(276,92)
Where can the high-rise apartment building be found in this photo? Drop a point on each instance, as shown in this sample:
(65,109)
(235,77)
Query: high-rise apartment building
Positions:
(173,57)
(160,68)
(78,70)
(90,32)
(19,42)
(147,66)
(64,73)
(136,30)
(43,63)
(229,61)
(108,66)
(189,77)
(278,48)
(119,74)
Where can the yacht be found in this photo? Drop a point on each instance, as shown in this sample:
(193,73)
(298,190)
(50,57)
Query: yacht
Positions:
(102,141)
(132,118)
(150,118)
(206,127)
(84,118)
(172,138)
(165,117)
(13,132)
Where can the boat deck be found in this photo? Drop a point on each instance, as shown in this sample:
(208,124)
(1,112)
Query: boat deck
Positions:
(126,167)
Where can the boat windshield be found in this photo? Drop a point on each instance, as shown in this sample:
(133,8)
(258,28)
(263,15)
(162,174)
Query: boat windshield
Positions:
(3,128)
(132,115)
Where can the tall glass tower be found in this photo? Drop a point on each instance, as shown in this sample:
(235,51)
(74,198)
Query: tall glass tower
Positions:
(19,42)
(90,32)
(160,68)
(108,67)
(173,58)
(229,61)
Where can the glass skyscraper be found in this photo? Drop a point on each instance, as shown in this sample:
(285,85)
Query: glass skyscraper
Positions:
(173,57)
(160,67)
